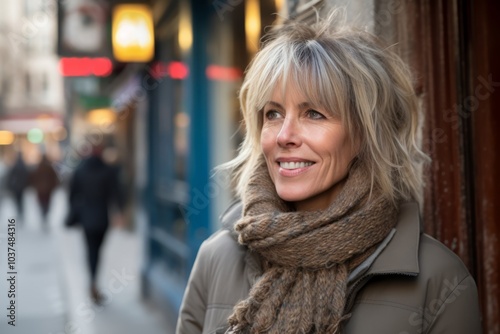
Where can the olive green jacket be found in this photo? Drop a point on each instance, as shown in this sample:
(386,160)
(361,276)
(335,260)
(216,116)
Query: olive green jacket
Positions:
(414,285)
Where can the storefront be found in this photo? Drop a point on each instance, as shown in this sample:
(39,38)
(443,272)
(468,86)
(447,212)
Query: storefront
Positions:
(192,126)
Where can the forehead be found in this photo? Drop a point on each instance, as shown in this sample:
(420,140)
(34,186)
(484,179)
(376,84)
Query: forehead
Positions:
(295,93)
(288,91)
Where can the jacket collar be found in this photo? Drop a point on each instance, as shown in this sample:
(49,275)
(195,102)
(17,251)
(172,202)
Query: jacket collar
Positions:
(400,256)
(232,214)
(253,267)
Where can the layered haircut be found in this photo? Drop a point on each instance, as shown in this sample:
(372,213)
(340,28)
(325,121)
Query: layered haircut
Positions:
(349,74)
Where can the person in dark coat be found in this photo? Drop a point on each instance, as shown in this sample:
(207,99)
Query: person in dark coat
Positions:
(44,180)
(17,181)
(94,188)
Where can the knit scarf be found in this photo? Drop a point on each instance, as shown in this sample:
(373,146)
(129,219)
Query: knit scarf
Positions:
(307,255)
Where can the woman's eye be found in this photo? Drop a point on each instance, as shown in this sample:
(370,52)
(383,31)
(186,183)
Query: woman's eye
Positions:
(272,114)
(314,114)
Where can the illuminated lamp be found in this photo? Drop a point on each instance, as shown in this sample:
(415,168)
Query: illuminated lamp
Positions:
(133,33)
(6,137)
(185,36)
(278,4)
(101,117)
(252,25)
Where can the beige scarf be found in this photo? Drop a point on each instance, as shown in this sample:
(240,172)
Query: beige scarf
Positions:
(307,255)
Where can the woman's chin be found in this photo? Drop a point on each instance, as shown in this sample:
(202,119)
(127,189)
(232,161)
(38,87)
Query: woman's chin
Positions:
(292,196)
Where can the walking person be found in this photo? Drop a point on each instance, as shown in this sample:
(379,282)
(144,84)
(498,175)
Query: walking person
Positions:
(17,182)
(94,190)
(44,180)
(3,178)
(326,236)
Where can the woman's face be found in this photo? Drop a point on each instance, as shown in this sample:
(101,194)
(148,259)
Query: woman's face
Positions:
(307,150)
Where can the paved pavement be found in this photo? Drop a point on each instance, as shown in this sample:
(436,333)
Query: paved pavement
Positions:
(52,284)
(39,299)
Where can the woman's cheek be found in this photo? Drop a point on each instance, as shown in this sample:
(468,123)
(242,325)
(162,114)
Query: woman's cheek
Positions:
(267,138)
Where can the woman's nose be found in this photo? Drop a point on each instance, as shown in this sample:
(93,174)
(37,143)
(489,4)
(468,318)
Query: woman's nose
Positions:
(289,134)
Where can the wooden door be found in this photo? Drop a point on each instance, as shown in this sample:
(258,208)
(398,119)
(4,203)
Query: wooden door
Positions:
(453,48)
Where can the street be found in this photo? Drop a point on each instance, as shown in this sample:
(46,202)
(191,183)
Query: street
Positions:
(50,290)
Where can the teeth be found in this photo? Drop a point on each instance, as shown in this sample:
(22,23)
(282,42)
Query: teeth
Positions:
(294,165)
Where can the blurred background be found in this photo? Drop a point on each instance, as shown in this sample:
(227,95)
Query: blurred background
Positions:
(154,83)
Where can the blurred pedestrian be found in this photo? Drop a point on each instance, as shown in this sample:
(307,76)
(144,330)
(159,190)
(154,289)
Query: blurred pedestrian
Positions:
(17,181)
(44,179)
(3,177)
(94,189)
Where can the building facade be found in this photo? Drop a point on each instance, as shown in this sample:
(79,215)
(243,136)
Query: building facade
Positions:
(31,89)
(184,112)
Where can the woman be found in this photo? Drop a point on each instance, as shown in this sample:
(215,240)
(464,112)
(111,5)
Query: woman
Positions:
(327,236)
(44,179)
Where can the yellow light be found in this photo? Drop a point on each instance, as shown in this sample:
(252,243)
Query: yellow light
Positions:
(6,137)
(101,117)
(252,25)
(185,36)
(182,120)
(133,33)
(278,4)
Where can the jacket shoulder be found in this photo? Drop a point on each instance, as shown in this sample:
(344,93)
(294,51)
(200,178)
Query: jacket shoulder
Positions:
(439,261)
(221,243)
(440,298)
(221,251)
(225,264)
(451,300)
(208,296)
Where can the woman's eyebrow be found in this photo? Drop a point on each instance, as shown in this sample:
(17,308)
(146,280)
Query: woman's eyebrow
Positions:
(274,104)
(305,105)
(302,105)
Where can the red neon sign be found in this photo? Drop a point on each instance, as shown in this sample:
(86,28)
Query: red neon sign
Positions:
(84,67)
(178,70)
(174,69)
(222,73)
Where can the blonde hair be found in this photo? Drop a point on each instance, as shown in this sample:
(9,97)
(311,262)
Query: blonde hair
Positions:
(349,74)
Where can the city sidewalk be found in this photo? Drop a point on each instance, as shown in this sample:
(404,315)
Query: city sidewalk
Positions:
(53,280)
(39,297)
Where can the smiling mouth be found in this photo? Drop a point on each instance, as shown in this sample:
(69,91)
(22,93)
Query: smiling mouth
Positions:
(294,165)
